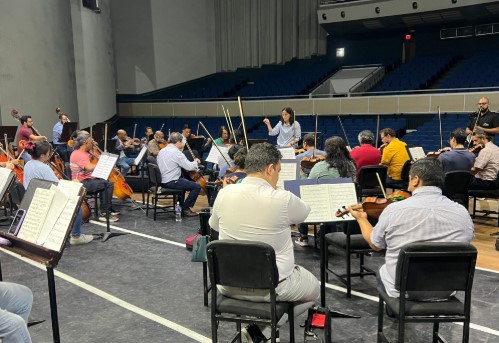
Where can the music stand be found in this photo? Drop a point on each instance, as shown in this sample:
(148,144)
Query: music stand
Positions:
(98,131)
(67,131)
(195,144)
(11,133)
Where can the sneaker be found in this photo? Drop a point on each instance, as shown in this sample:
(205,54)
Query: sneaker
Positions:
(302,241)
(252,334)
(82,239)
(114,212)
(102,218)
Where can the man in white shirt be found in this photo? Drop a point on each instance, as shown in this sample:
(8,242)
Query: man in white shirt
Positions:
(255,210)
(171,161)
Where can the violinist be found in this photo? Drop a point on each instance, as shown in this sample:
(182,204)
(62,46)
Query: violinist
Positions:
(155,144)
(239,173)
(483,119)
(229,168)
(486,164)
(81,170)
(458,158)
(427,216)
(394,155)
(171,161)
(25,133)
(60,147)
(338,164)
(309,147)
(224,136)
(149,135)
(37,168)
(128,150)
(365,154)
(287,130)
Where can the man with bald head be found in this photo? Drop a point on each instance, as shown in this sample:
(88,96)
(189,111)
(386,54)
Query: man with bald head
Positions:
(127,150)
(153,145)
(484,120)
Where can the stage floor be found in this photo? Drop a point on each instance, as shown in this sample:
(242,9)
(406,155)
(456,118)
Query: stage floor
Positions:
(142,287)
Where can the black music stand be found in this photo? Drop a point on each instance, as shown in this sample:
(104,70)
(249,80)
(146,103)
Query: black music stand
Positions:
(195,144)
(67,130)
(49,258)
(10,131)
(251,142)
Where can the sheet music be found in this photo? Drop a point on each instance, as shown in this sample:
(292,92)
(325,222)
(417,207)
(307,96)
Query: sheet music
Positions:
(288,153)
(288,172)
(317,197)
(105,166)
(4,179)
(36,214)
(215,157)
(59,202)
(139,158)
(326,199)
(58,233)
(69,187)
(417,153)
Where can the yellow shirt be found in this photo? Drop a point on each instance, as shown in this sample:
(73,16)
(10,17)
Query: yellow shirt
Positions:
(394,156)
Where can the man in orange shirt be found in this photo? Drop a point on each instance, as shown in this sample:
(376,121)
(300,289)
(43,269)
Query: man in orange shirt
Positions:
(394,154)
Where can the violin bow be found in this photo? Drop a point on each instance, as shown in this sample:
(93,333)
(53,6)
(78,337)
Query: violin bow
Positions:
(229,123)
(105,137)
(377,131)
(381,185)
(242,121)
(440,125)
(344,132)
(315,135)
(215,145)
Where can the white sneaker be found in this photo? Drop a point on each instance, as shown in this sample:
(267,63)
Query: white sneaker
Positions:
(102,218)
(82,239)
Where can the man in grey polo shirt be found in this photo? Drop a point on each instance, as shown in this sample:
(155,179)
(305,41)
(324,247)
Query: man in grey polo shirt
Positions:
(427,216)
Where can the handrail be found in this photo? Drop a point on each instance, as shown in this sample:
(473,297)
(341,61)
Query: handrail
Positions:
(368,76)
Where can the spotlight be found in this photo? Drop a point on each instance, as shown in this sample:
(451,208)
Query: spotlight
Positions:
(343,14)
(415,5)
(454,1)
(324,16)
(377,10)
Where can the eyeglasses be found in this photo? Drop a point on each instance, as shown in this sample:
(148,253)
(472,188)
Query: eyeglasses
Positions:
(482,103)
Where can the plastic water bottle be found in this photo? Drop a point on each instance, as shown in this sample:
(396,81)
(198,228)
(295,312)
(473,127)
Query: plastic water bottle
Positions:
(178,212)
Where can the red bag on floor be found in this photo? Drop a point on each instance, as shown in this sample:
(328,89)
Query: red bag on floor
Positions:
(189,241)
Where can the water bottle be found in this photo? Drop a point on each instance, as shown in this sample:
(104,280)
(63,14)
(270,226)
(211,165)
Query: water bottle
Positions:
(178,212)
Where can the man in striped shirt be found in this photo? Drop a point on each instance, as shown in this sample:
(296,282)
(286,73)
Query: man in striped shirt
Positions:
(427,216)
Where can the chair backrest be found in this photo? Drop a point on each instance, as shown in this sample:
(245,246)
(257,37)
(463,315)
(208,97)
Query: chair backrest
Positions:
(457,182)
(405,170)
(152,160)
(154,174)
(244,264)
(367,176)
(435,266)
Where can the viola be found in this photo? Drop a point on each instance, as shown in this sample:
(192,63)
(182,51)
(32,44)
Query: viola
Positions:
(310,162)
(435,154)
(476,149)
(374,206)
(18,169)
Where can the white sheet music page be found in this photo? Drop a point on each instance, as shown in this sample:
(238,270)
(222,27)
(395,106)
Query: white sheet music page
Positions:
(215,157)
(342,194)
(105,165)
(141,155)
(35,217)
(58,204)
(317,197)
(69,187)
(288,172)
(417,153)
(288,153)
(59,231)
(4,179)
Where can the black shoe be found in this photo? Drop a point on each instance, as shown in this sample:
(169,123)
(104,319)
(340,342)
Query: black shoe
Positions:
(252,334)
(189,213)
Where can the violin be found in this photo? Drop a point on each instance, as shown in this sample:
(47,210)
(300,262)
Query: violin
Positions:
(18,169)
(476,149)
(435,154)
(299,151)
(310,162)
(374,206)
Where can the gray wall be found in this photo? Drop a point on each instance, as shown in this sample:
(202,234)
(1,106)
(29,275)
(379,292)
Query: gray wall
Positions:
(38,69)
(159,43)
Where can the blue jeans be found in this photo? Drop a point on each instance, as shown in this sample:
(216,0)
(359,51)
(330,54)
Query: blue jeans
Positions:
(15,306)
(125,163)
(185,185)
(62,150)
(76,229)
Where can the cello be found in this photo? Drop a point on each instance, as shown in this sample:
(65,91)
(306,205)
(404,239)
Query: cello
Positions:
(195,175)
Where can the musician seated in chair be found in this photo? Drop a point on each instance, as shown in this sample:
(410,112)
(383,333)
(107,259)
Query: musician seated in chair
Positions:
(186,133)
(427,216)
(310,150)
(267,216)
(486,164)
(60,147)
(128,150)
(15,306)
(81,170)
(458,158)
(38,168)
(171,161)
(25,133)
(365,154)
(394,154)
(154,145)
